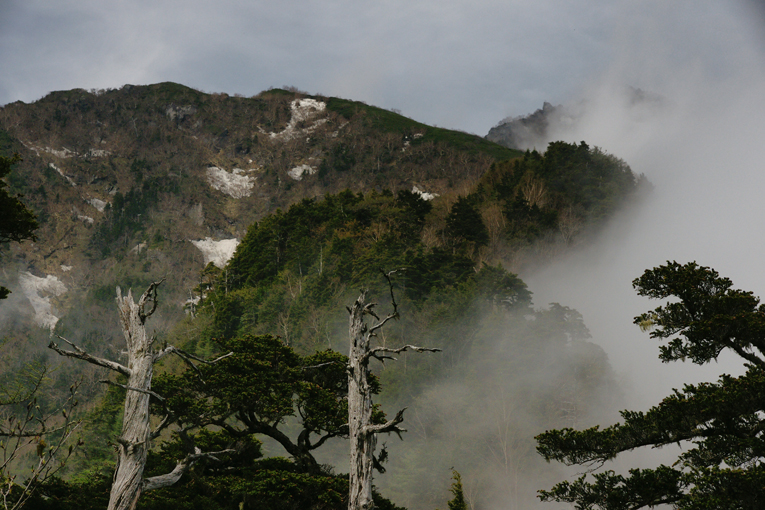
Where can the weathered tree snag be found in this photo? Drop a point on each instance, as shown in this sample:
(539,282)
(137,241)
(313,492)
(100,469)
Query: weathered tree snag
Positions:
(134,441)
(363,433)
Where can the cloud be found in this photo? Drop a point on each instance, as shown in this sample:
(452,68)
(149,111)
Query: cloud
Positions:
(702,149)
(460,64)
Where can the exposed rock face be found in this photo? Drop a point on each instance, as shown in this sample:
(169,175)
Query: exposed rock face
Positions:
(551,123)
(526,132)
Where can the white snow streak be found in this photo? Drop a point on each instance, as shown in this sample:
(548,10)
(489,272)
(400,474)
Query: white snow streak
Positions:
(34,287)
(302,110)
(64,153)
(298,172)
(86,219)
(235,183)
(217,252)
(62,174)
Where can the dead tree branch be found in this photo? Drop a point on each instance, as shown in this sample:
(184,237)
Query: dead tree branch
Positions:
(166,480)
(80,353)
(363,433)
(135,438)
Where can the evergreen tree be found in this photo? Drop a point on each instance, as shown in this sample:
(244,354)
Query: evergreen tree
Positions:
(458,501)
(17,223)
(465,222)
(720,425)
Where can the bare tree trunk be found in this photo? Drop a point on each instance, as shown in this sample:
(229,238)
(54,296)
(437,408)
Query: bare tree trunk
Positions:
(360,412)
(133,443)
(363,433)
(135,440)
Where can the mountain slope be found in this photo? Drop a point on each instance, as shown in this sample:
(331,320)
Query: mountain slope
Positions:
(123,180)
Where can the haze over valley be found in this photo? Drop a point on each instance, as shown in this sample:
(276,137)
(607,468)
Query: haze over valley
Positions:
(610,143)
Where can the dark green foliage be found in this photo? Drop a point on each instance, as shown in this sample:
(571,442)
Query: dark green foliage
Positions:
(6,143)
(566,187)
(267,484)
(256,389)
(719,422)
(710,316)
(502,288)
(104,423)
(464,224)
(17,223)
(127,214)
(293,265)
(385,120)
(458,501)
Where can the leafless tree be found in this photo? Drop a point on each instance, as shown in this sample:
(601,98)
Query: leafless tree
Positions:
(363,432)
(135,440)
(26,426)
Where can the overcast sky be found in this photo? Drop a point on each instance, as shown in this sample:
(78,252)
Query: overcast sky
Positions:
(467,64)
(462,64)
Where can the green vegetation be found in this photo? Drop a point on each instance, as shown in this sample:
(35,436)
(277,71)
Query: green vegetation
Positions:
(719,424)
(126,216)
(307,247)
(256,389)
(388,121)
(458,501)
(17,223)
(295,270)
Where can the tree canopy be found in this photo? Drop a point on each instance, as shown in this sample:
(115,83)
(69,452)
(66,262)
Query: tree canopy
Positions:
(720,425)
(17,223)
(258,388)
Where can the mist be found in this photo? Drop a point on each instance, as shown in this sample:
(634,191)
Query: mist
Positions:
(700,143)
(701,147)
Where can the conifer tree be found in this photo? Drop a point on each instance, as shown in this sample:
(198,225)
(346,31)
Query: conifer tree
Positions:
(458,501)
(17,223)
(719,425)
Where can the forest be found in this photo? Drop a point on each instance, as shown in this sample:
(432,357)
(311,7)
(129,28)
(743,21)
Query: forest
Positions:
(266,425)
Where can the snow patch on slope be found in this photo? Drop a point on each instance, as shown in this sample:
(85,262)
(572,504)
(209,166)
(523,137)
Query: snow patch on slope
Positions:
(423,195)
(62,174)
(64,153)
(302,110)
(298,172)
(98,204)
(235,184)
(217,252)
(38,291)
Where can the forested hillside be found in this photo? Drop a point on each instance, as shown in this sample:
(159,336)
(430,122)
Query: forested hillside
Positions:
(318,195)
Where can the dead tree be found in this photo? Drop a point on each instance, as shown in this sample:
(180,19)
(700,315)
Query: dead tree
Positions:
(28,428)
(363,432)
(135,440)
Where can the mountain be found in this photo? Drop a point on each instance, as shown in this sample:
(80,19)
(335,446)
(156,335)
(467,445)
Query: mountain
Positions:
(552,122)
(151,181)
(265,215)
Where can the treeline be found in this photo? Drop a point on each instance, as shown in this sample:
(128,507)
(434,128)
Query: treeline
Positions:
(279,306)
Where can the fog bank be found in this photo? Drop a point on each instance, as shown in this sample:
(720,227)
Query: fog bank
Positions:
(702,148)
